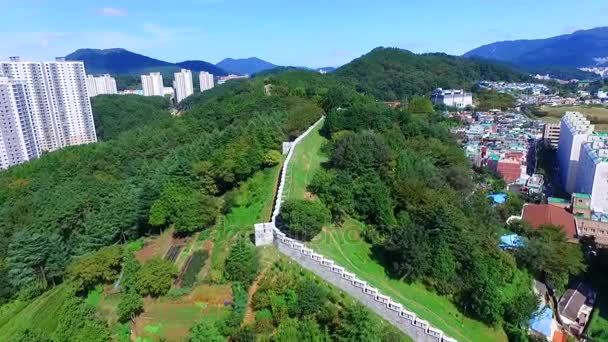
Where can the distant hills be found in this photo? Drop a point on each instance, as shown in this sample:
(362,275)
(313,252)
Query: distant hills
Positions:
(245,66)
(395,74)
(114,61)
(582,48)
(123,62)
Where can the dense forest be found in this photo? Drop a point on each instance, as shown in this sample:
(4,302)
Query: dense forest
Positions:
(152,172)
(394,74)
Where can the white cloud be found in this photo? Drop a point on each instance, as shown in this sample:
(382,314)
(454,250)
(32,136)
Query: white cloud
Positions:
(112,12)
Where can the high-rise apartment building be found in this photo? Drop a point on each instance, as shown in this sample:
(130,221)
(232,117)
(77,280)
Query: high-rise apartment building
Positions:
(152,84)
(101,85)
(17,140)
(592,174)
(183,85)
(574,131)
(56,98)
(551,134)
(206,80)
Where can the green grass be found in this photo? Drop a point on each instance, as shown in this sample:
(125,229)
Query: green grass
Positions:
(40,314)
(349,249)
(306,161)
(345,246)
(598,326)
(94,297)
(598,115)
(254,197)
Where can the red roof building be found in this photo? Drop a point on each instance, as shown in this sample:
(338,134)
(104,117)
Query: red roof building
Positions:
(509,169)
(543,214)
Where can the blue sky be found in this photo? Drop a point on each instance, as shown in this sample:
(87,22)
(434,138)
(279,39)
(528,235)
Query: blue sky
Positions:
(305,33)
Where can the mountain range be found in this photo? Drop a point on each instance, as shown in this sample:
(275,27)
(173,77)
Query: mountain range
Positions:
(123,62)
(583,48)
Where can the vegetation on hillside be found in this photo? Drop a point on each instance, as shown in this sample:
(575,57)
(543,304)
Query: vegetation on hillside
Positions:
(164,172)
(293,305)
(115,114)
(406,179)
(395,74)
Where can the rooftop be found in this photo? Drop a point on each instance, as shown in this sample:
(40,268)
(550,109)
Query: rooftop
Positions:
(543,214)
(579,195)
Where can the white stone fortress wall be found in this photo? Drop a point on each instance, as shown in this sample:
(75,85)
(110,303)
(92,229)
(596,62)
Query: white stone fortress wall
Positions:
(393,312)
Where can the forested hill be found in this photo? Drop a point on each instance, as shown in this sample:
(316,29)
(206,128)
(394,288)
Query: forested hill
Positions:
(394,74)
(151,173)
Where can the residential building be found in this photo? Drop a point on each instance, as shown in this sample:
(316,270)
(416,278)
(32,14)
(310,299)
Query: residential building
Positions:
(452,98)
(574,131)
(538,215)
(17,140)
(152,84)
(57,97)
(206,80)
(574,308)
(183,85)
(101,85)
(534,184)
(602,94)
(592,174)
(551,134)
(224,79)
(169,92)
(589,222)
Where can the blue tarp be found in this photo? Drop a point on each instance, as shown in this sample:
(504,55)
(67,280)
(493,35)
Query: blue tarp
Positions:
(498,198)
(542,321)
(511,241)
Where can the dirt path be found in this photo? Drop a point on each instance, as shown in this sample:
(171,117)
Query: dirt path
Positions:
(249,317)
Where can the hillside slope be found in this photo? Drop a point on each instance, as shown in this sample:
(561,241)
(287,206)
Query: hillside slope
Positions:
(394,74)
(579,49)
(245,66)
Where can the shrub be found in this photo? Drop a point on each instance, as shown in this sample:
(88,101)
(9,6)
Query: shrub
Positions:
(303,219)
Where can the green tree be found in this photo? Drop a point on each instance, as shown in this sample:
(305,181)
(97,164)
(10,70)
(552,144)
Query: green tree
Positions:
(155,277)
(548,252)
(420,105)
(101,267)
(131,304)
(310,298)
(242,263)
(357,325)
(287,331)
(205,332)
(303,219)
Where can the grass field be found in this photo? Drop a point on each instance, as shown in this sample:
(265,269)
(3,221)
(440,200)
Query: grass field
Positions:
(172,320)
(41,314)
(306,161)
(348,248)
(597,115)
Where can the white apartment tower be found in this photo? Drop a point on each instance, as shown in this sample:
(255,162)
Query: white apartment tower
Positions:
(101,85)
(152,84)
(206,80)
(592,175)
(17,140)
(57,99)
(183,85)
(574,132)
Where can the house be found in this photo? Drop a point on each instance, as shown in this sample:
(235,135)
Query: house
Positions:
(542,324)
(575,308)
(538,215)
